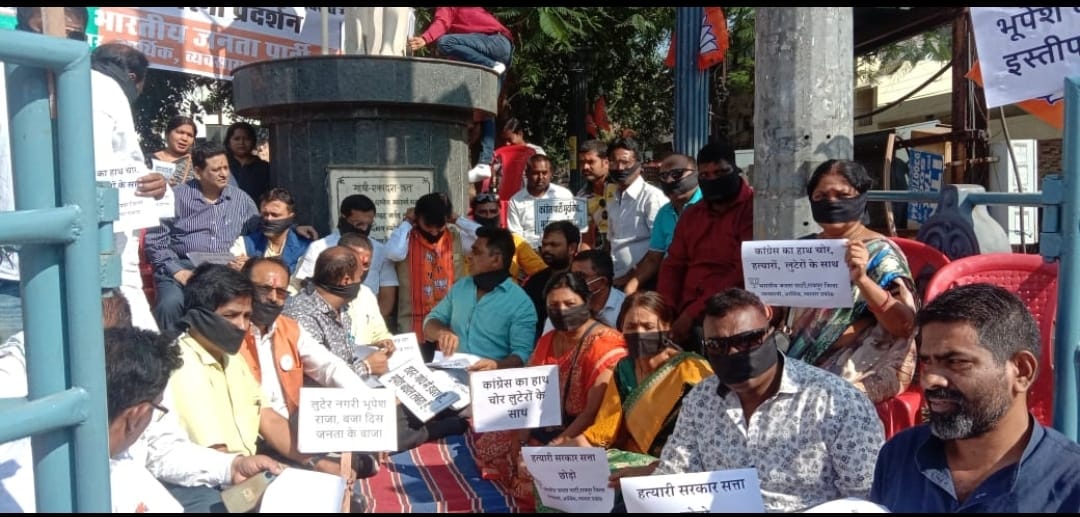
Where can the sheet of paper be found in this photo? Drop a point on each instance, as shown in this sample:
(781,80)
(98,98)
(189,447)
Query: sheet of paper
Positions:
(418,391)
(456,380)
(798,273)
(458,360)
(571,479)
(198,257)
(848,505)
(547,211)
(302,491)
(337,420)
(135,212)
(406,348)
(722,491)
(515,398)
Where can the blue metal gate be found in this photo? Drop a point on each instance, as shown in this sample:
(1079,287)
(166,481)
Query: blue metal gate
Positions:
(63,225)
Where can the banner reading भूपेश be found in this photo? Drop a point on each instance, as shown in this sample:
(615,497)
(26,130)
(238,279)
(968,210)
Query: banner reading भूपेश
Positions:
(210,41)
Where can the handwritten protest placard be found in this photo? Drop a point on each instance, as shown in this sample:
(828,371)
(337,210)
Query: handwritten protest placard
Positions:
(418,390)
(1026,52)
(135,212)
(550,210)
(571,479)
(337,420)
(722,491)
(798,273)
(515,398)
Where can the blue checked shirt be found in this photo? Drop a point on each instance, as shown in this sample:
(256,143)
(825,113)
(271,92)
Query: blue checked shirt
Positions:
(200,226)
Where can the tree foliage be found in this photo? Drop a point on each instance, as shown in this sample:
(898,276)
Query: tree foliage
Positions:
(932,45)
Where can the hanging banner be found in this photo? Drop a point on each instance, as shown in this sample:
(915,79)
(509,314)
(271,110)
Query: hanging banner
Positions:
(210,41)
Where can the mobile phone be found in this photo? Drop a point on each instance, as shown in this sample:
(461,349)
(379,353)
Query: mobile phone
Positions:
(244,497)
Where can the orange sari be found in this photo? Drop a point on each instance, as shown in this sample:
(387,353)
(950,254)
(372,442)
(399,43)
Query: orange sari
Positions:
(600,351)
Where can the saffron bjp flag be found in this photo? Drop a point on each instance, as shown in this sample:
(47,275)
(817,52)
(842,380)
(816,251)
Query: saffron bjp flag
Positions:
(714,40)
(1049,109)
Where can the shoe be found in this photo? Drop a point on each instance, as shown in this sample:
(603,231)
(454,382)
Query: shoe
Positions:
(499,68)
(365,465)
(479,173)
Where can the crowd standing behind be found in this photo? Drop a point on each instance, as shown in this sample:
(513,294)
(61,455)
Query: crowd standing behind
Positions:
(663,359)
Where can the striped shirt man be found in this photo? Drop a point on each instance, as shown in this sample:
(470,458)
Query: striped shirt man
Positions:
(200,226)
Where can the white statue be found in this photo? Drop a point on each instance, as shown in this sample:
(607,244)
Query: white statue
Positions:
(378,30)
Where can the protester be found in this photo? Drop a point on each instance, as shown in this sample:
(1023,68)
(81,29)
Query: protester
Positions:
(558,248)
(872,343)
(180,135)
(597,192)
(485,208)
(632,209)
(523,217)
(982,450)
(606,301)
(276,235)
(811,436)
(249,172)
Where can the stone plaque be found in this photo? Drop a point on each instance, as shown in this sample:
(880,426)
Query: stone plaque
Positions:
(394,190)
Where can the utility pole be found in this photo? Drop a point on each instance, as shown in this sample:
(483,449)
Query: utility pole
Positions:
(803,82)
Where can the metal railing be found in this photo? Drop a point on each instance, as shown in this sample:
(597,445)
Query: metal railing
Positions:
(63,225)
(1059,241)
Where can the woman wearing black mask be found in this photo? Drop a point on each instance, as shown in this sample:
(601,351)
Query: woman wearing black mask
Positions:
(585,351)
(642,402)
(871,344)
(276,235)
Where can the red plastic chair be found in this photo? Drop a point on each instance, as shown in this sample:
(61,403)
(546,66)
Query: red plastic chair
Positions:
(146,270)
(924,260)
(1035,282)
(903,411)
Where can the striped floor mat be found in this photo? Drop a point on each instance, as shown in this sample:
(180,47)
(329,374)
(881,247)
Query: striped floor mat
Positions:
(437,477)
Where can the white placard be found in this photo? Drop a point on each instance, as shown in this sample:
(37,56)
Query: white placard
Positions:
(459,360)
(406,349)
(457,380)
(337,420)
(515,398)
(418,390)
(847,505)
(135,212)
(550,210)
(303,491)
(392,190)
(571,479)
(798,273)
(721,491)
(1026,52)
(165,207)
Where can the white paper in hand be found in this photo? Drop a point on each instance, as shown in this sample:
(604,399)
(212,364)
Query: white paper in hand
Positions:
(304,491)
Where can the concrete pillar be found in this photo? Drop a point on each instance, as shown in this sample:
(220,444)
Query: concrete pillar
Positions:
(691,83)
(804,77)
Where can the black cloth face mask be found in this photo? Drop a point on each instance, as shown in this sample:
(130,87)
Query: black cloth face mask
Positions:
(432,238)
(490,280)
(846,210)
(344,227)
(276,227)
(619,176)
(220,331)
(740,367)
(569,319)
(345,292)
(263,314)
(489,222)
(722,189)
(646,344)
(685,184)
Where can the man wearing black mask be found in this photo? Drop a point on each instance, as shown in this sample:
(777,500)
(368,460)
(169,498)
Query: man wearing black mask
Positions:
(322,308)
(486,213)
(355,215)
(486,314)
(632,210)
(812,435)
(276,235)
(679,181)
(216,399)
(558,248)
(705,253)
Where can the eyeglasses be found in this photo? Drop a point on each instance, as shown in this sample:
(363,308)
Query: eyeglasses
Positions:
(741,342)
(485,197)
(674,174)
(162,410)
(264,291)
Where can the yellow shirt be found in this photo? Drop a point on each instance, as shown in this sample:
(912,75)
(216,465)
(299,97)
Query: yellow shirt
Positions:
(216,404)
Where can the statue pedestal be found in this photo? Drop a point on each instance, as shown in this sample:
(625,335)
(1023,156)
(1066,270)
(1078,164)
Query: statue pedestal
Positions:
(386,127)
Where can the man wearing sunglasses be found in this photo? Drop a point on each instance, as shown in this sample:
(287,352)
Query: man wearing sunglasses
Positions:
(679,181)
(811,435)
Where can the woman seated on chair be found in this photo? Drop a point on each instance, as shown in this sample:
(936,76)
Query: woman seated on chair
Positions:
(871,344)
(180,136)
(642,402)
(585,351)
